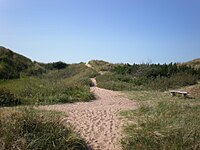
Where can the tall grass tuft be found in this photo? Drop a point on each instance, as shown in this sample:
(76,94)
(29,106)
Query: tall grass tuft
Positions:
(34,129)
(7,98)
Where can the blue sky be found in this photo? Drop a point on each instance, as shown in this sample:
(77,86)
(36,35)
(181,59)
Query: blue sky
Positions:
(133,31)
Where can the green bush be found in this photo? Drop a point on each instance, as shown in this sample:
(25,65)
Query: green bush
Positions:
(7,98)
(118,82)
(56,65)
(175,81)
(154,70)
(35,70)
(145,76)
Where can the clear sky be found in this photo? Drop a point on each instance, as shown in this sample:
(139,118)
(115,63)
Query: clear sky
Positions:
(132,31)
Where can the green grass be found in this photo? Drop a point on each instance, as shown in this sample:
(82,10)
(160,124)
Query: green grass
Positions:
(162,122)
(117,82)
(148,95)
(28,128)
(57,86)
(11,64)
(101,66)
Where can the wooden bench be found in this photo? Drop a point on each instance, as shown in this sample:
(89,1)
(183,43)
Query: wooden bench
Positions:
(174,93)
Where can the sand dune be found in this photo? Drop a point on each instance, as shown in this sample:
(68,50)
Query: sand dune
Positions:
(97,121)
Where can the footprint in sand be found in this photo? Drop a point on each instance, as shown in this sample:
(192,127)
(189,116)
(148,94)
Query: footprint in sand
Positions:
(97,121)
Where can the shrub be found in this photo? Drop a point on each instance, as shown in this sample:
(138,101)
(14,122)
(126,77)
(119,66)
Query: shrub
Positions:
(148,76)
(35,70)
(176,81)
(7,98)
(56,65)
(154,70)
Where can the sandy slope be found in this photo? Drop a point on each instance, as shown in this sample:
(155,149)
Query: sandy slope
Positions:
(97,121)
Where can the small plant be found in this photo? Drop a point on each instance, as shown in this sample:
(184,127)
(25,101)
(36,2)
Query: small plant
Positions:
(7,98)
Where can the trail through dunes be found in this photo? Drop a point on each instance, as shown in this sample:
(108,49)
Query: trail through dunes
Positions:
(97,121)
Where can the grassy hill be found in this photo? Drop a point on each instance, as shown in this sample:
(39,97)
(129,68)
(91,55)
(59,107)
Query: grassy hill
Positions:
(11,63)
(101,66)
(25,82)
(194,63)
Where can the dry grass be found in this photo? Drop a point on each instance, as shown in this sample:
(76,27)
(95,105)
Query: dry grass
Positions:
(193,90)
(163,122)
(27,128)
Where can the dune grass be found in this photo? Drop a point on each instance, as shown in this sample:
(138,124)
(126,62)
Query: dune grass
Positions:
(117,82)
(162,122)
(28,128)
(194,90)
(148,77)
(57,86)
(101,66)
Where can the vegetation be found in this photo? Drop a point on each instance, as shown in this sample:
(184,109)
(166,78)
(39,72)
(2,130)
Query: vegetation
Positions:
(34,129)
(162,122)
(23,82)
(7,98)
(57,86)
(11,64)
(194,63)
(117,82)
(56,65)
(149,76)
(101,66)
(35,70)
(193,90)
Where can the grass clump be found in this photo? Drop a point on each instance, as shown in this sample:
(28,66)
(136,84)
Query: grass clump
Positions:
(34,129)
(7,98)
(69,95)
(163,123)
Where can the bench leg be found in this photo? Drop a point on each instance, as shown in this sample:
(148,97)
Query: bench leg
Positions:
(184,95)
(173,94)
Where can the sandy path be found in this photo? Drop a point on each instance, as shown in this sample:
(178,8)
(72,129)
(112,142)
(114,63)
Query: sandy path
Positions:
(97,121)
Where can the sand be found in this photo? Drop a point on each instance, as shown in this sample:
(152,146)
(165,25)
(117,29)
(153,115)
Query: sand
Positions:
(97,121)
